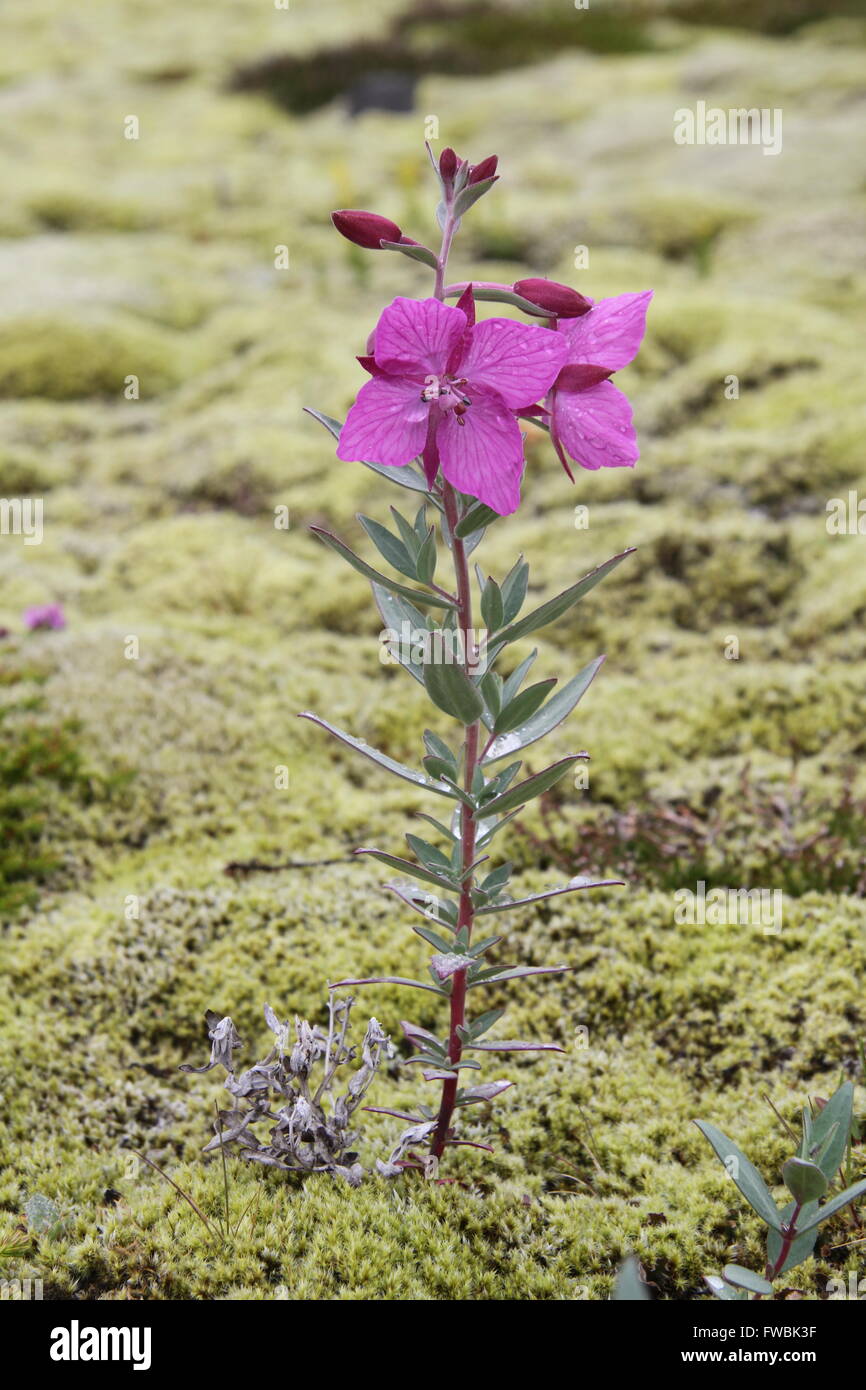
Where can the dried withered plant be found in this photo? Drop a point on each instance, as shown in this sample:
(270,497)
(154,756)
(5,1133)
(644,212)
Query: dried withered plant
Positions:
(293,1093)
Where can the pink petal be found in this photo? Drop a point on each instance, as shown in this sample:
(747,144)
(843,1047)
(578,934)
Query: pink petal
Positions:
(483,456)
(518,361)
(417,336)
(595,427)
(611,333)
(387,424)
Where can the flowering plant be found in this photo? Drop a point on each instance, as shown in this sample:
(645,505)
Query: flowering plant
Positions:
(439,418)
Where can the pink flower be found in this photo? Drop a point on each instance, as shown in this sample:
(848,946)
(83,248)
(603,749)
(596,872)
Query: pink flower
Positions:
(447,388)
(44,615)
(590,419)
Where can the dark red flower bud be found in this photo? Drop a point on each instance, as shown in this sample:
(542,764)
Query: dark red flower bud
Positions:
(560,300)
(448,162)
(365,229)
(485,170)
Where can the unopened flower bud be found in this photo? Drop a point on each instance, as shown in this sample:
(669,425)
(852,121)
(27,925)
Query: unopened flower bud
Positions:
(365,229)
(448,162)
(559,300)
(485,170)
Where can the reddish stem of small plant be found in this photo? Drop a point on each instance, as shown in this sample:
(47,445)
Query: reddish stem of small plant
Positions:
(789,1235)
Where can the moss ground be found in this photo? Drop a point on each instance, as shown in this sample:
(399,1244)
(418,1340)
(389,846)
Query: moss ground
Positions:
(154,258)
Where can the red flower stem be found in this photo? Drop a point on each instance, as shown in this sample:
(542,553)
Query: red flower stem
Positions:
(466,912)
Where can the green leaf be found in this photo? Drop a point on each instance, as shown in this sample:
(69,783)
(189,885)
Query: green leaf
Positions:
(480,1025)
(514,589)
(389,980)
(491,606)
(408,774)
(473,191)
(476,519)
(491,689)
(720,1289)
(451,690)
(555,607)
(744,1174)
(530,787)
(407,477)
(630,1286)
(426,567)
(390,547)
(574,886)
(415,595)
(557,708)
(415,253)
(411,539)
(835,1204)
(743,1278)
(518,675)
(521,709)
(837,1112)
(430,856)
(407,866)
(804,1180)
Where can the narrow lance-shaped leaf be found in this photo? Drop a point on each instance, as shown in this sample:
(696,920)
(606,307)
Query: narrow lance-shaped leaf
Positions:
(835,1204)
(836,1113)
(382,760)
(523,706)
(407,866)
(387,980)
(743,1278)
(553,712)
(743,1172)
(416,595)
(389,546)
(413,251)
(532,786)
(509,904)
(555,607)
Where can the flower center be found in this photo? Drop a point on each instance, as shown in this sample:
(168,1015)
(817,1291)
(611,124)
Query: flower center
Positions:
(448,393)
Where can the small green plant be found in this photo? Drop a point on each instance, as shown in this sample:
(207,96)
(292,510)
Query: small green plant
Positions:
(825,1146)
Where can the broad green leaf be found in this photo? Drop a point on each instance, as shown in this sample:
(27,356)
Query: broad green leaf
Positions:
(804,1180)
(451,690)
(553,712)
(838,1112)
(407,476)
(390,547)
(743,1172)
(835,1204)
(630,1286)
(470,194)
(430,856)
(726,1292)
(555,607)
(476,519)
(743,1278)
(521,709)
(415,595)
(408,774)
(514,589)
(426,566)
(491,606)
(408,866)
(531,787)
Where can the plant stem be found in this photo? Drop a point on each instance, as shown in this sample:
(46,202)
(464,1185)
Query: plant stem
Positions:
(789,1235)
(466,911)
(470,754)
